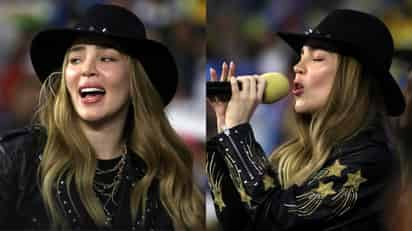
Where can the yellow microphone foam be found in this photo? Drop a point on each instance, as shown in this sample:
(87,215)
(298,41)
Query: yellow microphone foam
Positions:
(277,87)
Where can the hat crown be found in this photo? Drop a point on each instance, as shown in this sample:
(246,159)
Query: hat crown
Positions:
(113,20)
(368,37)
(123,30)
(362,36)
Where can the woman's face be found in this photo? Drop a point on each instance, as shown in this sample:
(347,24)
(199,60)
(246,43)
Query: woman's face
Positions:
(97,79)
(314,76)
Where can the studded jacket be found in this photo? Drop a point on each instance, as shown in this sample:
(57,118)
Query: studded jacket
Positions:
(21,204)
(347,193)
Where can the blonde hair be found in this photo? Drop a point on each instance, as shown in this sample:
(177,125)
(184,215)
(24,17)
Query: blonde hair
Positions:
(68,155)
(316,134)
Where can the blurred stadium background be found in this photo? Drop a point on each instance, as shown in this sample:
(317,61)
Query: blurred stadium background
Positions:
(243,31)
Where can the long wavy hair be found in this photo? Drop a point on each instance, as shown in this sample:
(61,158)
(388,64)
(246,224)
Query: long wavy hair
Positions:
(69,155)
(353,102)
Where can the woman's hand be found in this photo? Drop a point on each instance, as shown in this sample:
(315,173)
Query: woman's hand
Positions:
(217,105)
(243,102)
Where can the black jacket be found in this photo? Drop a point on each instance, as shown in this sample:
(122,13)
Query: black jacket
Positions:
(348,193)
(21,205)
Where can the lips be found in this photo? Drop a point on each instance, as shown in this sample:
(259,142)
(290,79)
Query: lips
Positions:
(297,89)
(91,93)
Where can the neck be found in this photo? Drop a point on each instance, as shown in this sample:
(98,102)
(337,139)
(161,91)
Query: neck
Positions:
(105,138)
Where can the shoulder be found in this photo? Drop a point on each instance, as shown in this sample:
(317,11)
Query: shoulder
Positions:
(25,132)
(16,137)
(369,149)
(24,140)
(371,140)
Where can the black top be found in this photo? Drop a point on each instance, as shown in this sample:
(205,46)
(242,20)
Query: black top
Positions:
(346,194)
(22,205)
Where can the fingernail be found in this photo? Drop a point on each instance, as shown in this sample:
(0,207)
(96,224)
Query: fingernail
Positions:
(224,64)
(231,63)
(211,69)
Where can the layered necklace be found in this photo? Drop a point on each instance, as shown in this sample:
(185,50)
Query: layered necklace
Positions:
(107,183)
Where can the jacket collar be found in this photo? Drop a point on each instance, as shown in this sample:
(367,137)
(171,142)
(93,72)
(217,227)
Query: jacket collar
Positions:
(373,134)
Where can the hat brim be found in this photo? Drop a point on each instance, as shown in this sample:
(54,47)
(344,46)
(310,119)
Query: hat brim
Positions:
(404,54)
(49,47)
(296,41)
(393,97)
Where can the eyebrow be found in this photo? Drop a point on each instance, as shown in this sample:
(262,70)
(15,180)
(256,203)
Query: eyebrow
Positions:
(76,48)
(82,47)
(312,49)
(308,48)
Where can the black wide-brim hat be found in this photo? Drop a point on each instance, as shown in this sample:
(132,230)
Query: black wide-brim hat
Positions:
(404,54)
(112,23)
(363,37)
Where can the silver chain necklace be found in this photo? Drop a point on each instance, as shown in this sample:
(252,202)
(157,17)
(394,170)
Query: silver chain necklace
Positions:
(109,190)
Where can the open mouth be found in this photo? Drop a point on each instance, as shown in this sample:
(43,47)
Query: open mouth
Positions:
(297,89)
(91,91)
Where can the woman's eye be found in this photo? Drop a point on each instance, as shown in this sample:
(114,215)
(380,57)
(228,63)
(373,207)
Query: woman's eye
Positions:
(318,59)
(74,60)
(107,59)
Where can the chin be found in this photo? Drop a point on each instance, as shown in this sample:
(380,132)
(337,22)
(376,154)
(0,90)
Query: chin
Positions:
(91,118)
(303,109)
(300,107)
(89,115)
(300,111)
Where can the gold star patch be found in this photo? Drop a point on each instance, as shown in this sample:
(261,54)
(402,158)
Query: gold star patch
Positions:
(215,181)
(325,189)
(336,169)
(268,182)
(219,201)
(354,180)
(244,197)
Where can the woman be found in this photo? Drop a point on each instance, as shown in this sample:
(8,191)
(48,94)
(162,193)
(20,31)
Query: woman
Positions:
(333,174)
(104,155)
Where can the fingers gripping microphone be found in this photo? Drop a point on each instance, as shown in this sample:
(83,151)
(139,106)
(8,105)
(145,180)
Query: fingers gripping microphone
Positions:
(277,87)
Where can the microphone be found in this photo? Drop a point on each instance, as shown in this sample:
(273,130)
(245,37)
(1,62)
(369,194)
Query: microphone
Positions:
(277,87)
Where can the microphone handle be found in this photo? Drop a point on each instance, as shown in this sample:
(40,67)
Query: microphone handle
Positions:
(220,90)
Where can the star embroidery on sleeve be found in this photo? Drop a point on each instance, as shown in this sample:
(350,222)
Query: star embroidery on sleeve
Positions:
(348,195)
(237,181)
(325,189)
(219,200)
(244,197)
(215,182)
(335,169)
(268,182)
(354,180)
(308,203)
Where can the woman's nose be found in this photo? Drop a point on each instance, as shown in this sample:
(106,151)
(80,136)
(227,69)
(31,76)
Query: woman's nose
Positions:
(89,67)
(298,68)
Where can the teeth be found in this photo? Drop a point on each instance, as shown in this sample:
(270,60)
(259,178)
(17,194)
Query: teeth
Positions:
(91,89)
